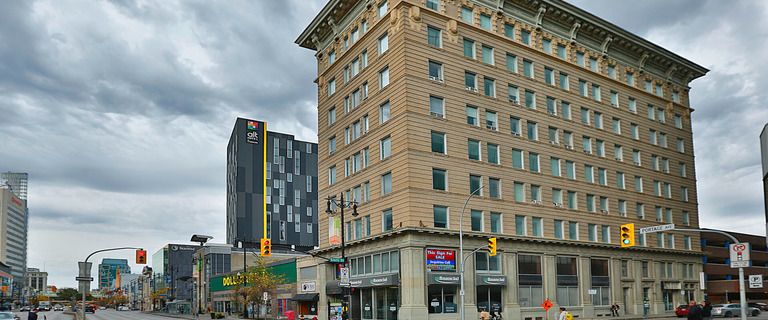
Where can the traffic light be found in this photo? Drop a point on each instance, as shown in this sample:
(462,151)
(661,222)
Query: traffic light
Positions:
(627,235)
(491,247)
(141,256)
(266,247)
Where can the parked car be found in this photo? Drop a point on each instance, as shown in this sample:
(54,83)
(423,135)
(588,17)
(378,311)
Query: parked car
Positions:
(759,305)
(681,311)
(123,308)
(58,308)
(732,310)
(25,308)
(90,308)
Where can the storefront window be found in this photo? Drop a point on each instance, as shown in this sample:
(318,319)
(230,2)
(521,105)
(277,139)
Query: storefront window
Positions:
(367,302)
(489,298)
(600,282)
(377,263)
(567,282)
(442,299)
(529,280)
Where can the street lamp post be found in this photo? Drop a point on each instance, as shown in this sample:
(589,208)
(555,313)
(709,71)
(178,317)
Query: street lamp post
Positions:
(461,250)
(342,204)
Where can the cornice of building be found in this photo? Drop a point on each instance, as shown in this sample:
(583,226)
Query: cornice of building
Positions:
(556,17)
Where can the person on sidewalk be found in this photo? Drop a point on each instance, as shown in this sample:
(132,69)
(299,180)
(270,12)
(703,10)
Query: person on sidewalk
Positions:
(32,315)
(694,311)
(484,315)
(563,315)
(706,311)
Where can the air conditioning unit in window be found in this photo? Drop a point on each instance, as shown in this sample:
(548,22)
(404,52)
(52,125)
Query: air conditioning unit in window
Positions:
(516,134)
(588,151)
(474,90)
(604,211)
(637,163)
(435,79)
(557,204)
(468,88)
(436,115)
(569,147)
(492,127)
(617,158)
(536,202)
(554,142)
(513,99)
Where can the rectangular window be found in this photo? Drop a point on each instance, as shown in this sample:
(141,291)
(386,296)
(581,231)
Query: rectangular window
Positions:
(438,142)
(612,71)
(476,220)
(440,215)
(520,225)
(494,188)
(573,230)
(493,153)
(485,21)
(466,15)
(678,121)
(632,105)
(557,197)
(549,76)
(551,106)
(533,129)
(383,8)
(614,98)
(592,232)
(487,54)
(435,71)
(555,166)
(564,83)
(638,184)
(519,191)
(384,112)
(561,51)
(605,234)
(570,169)
(620,180)
(530,281)
(331,87)
(648,86)
(386,220)
(331,116)
(525,37)
(596,92)
(384,78)
(509,31)
(470,81)
(583,88)
(565,110)
(511,63)
(630,79)
(437,106)
(590,203)
(622,207)
(475,183)
(680,145)
(469,48)
(473,149)
(546,45)
(580,59)
(517,159)
(385,148)
(682,169)
(640,210)
(514,126)
(530,99)
(489,87)
(528,68)
(472,116)
(434,37)
(386,183)
(439,181)
(383,43)
(496,222)
(538,227)
(331,175)
(558,229)
(593,65)
(616,125)
(533,162)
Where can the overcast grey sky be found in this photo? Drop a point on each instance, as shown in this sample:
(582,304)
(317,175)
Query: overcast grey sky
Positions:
(120,110)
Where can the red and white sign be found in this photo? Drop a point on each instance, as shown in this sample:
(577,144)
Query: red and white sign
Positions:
(441,259)
(740,255)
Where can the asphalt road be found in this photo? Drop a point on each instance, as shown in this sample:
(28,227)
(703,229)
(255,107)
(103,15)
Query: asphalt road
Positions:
(108,314)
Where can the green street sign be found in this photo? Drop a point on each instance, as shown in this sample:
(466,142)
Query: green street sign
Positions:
(336,260)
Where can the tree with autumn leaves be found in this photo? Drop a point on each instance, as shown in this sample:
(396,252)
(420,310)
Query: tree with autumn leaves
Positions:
(257,280)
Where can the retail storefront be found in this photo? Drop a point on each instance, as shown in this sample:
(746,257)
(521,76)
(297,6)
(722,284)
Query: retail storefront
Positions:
(223,291)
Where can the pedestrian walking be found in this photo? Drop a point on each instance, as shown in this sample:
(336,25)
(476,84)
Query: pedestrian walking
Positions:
(615,310)
(695,312)
(563,315)
(32,315)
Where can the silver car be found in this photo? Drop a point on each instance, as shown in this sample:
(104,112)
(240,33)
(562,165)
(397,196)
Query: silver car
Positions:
(732,310)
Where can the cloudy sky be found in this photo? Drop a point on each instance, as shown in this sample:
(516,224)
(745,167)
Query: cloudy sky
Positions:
(120,110)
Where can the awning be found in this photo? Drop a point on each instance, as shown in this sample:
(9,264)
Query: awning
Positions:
(309,297)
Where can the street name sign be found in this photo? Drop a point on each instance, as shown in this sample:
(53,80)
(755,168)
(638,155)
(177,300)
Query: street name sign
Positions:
(756,281)
(740,255)
(336,260)
(663,227)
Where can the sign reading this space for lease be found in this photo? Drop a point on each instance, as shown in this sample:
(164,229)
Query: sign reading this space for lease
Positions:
(441,260)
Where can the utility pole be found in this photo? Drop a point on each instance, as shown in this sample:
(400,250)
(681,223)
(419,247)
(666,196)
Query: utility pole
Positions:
(461,250)
(342,204)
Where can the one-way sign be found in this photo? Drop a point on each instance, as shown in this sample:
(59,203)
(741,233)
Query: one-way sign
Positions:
(663,227)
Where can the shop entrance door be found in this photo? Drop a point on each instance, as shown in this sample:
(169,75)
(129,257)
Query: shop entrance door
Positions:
(668,298)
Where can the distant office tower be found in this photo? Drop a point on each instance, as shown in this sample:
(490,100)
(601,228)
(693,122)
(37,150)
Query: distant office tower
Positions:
(286,189)
(17,181)
(560,125)
(108,270)
(172,269)
(14,221)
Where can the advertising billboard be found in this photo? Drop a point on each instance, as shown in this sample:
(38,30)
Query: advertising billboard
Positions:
(441,259)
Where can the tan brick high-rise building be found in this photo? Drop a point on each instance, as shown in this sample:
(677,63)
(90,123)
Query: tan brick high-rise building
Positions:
(568,126)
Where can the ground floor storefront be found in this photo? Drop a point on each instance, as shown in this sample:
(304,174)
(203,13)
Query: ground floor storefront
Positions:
(415,275)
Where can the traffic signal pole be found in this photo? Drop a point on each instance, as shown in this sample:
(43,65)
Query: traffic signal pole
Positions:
(82,308)
(461,250)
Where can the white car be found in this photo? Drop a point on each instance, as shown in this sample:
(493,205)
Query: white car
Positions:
(123,308)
